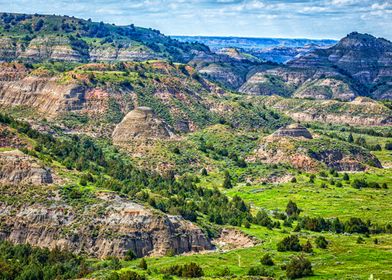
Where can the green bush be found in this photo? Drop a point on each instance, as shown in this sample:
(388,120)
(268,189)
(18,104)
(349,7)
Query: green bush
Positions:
(321,242)
(267,260)
(289,243)
(298,267)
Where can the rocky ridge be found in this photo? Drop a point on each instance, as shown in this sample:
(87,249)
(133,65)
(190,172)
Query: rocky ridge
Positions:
(109,227)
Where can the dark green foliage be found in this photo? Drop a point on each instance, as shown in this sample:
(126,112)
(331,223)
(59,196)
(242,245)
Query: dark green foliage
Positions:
(350,138)
(267,260)
(293,180)
(321,242)
(388,146)
(191,270)
(204,172)
(360,240)
(260,271)
(362,183)
(263,219)
(292,209)
(129,255)
(143,264)
(289,243)
(307,247)
(26,262)
(131,275)
(346,177)
(227,181)
(298,267)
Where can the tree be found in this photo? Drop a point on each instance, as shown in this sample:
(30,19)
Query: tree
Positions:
(299,267)
(346,177)
(388,146)
(39,25)
(267,260)
(192,270)
(227,182)
(129,255)
(292,209)
(204,172)
(307,247)
(289,243)
(321,242)
(350,138)
(143,264)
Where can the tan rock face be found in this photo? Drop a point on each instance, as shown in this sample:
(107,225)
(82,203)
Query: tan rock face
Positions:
(110,227)
(44,94)
(140,124)
(18,168)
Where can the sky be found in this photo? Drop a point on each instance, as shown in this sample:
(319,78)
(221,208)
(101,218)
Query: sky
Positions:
(319,19)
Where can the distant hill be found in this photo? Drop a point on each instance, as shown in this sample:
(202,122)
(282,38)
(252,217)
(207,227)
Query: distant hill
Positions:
(252,43)
(359,64)
(50,37)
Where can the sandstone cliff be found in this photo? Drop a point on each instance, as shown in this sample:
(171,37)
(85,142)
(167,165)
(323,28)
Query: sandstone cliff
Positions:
(109,227)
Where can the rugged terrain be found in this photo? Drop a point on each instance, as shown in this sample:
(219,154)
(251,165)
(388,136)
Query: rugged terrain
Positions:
(131,155)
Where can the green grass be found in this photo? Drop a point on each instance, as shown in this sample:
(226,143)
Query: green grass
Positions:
(327,202)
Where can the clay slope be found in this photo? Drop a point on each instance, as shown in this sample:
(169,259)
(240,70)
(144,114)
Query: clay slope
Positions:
(141,124)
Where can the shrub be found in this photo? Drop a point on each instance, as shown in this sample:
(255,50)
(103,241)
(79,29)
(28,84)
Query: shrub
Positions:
(143,264)
(360,240)
(388,146)
(227,182)
(289,243)
(346,177)
(267,260)
(131,275)
(191,270)
(294,180)
(359,184)
(307,247)
(292,209)
(298,267)
(259,271)
(321,242)
(129,255)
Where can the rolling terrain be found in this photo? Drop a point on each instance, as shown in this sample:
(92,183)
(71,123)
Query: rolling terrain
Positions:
(127,154)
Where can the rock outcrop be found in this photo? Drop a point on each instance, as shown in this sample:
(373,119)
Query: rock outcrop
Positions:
(17,168)
(312,154)
(110,227)
(293,130)
(141,124)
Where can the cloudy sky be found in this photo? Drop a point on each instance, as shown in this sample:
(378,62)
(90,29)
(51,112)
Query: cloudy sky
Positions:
(247,18)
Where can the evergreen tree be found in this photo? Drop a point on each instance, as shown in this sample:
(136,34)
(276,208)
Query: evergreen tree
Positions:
(350,138)
(227,182)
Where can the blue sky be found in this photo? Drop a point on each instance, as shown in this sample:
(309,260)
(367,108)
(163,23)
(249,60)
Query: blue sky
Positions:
(247,18)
